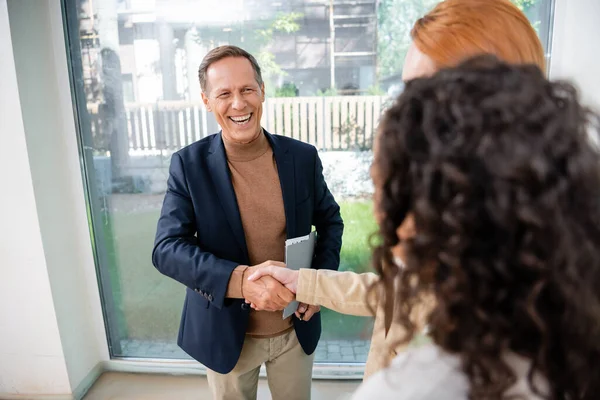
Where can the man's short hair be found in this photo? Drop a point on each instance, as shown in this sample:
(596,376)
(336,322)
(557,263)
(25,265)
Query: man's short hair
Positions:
(221,52)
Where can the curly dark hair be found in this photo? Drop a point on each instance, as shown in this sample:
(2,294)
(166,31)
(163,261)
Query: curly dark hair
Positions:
(500,170)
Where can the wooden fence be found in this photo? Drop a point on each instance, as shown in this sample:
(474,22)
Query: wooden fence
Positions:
(328,123)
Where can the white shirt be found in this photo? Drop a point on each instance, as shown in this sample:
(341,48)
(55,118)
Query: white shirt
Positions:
(430,373)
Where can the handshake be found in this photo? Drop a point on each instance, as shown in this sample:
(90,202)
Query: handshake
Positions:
(270,286)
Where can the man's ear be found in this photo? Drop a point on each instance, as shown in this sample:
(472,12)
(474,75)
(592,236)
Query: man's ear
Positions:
(206,103)
(262,90)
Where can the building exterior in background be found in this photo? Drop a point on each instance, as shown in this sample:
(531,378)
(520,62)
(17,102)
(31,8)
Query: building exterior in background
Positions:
(306,47)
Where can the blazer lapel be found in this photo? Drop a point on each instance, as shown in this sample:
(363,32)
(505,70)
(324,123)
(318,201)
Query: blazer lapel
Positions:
(219,172)
(285,168)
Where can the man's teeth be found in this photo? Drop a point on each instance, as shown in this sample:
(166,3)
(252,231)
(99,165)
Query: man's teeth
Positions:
(241,119)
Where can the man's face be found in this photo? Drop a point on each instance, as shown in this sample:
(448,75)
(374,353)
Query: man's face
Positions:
(235,98)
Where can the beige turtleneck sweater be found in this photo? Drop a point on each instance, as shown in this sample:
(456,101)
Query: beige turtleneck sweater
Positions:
(258,191)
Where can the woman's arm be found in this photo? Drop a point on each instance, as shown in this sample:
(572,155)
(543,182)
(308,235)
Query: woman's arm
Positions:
(345,292)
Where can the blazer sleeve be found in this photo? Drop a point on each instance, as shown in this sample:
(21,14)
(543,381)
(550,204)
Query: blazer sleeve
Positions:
(176,251)
(327,221)
(344,292)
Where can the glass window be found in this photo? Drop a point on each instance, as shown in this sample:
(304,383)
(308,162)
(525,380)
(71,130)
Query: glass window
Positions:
(330,68)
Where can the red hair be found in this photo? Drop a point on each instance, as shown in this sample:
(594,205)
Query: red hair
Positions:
(458,29)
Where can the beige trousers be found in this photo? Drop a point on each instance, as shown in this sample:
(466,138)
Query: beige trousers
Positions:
(289,370)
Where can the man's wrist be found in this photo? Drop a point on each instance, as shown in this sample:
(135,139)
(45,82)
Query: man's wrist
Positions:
(243,269)
(235,283)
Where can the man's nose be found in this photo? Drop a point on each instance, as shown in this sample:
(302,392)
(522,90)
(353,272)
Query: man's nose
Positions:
(238,102)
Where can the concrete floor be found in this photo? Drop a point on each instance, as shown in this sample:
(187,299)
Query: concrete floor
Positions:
(128,386)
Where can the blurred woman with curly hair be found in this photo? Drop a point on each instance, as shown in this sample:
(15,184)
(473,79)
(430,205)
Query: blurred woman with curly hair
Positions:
(488,189)
(451,32)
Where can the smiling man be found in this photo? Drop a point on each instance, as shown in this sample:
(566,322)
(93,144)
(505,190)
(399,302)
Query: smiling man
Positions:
(233,198)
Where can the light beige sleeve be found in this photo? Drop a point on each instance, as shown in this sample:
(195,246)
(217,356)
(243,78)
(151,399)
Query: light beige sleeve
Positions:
(344,292)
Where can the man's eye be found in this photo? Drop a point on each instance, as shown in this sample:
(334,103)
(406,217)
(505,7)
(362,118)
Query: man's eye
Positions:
(223,95)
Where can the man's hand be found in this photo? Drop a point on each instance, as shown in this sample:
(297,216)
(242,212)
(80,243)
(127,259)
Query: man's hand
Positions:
(266,293)
(287,277)
(305,311)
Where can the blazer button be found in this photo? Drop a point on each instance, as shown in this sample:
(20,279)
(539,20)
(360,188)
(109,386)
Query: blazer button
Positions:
(245,306)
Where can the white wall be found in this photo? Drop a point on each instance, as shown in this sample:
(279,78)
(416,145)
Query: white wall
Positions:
(575,47)
(31,353)
(49,299)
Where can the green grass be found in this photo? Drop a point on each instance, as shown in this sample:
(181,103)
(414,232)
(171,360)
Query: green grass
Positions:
(355,256)
(359,224)
(148,304)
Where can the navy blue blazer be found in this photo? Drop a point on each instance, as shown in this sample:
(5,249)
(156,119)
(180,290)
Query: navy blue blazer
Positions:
(200,240)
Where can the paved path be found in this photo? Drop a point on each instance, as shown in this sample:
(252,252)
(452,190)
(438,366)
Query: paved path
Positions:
(329,351)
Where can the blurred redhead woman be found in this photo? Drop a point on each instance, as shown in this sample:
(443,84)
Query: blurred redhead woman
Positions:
(452,32)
